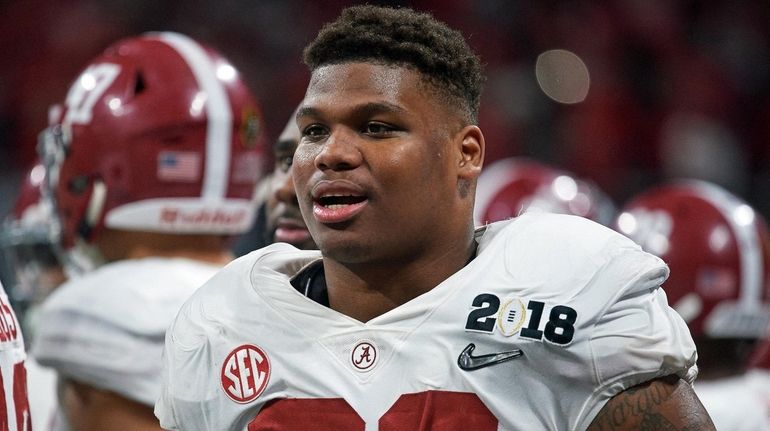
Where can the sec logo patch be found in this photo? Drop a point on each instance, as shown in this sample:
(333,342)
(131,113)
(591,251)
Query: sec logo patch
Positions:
(245,373)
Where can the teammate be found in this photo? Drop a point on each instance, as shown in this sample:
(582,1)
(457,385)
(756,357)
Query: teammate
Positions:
(279,218)
(716,247)
(14,404)
(151,164)
(284,220)
(32,272)
(509,187)
(406,319)
(27,237)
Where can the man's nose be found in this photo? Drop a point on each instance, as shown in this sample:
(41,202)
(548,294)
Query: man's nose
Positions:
(340,152)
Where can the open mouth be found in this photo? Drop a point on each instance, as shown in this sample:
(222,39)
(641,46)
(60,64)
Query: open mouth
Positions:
(338,208)
(339,201)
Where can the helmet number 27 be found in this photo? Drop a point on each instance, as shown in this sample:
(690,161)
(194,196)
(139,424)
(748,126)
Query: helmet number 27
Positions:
(88,88)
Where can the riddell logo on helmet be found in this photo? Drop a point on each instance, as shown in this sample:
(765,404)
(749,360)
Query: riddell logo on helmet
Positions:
(218,217)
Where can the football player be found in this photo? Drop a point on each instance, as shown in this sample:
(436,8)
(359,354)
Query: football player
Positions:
(512,186)
(406,319)
(284,220)
(14,404)
(151,165)
(279,218)
(32,271)
(716,246)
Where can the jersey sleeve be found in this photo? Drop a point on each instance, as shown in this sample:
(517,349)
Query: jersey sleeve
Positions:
(190,387)
(165,406)
(637,337)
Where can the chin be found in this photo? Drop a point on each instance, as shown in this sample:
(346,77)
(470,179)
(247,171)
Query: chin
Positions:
(345,251)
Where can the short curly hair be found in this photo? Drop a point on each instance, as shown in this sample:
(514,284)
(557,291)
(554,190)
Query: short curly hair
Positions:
(403,37)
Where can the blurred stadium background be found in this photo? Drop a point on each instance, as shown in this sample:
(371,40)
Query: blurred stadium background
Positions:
(626,93)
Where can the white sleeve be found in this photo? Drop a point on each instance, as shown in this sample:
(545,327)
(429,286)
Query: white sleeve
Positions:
(638,337)
(190,382)
(181,359)
(164,407)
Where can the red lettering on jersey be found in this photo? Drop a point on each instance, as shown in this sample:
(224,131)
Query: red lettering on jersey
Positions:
(3,406)
(20,400)
(245,373)
(8,313)
(8,327)
(423,411)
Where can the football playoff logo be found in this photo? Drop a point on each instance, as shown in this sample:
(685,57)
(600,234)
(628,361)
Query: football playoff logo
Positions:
(245,373)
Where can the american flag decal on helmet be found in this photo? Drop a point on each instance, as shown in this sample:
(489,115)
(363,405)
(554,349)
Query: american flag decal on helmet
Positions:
(179,166)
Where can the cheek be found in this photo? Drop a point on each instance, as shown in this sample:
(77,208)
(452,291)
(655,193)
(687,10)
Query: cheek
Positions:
(302,166)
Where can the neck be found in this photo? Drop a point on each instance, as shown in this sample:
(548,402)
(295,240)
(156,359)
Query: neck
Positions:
(364,291)
(118,245)
(214,256)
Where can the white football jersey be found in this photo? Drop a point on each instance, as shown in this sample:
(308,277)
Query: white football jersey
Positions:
(14,404)
(555,315)
(41,384)
(106,328)
(740,403)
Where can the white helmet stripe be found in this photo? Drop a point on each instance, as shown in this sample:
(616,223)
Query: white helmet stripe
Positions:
(743,222)
(218,112)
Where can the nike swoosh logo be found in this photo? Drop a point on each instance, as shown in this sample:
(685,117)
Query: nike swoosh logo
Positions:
(468,362)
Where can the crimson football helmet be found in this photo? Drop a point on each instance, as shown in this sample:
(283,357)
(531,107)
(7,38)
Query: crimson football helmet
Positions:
(27,236)
(509,187)
(716,247)
(159,133)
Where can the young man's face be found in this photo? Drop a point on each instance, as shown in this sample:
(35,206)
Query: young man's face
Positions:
(375,170)
(284,220)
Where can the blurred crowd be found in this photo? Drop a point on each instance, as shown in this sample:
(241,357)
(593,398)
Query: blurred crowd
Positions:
(677,89)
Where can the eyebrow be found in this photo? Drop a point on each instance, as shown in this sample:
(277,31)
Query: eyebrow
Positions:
(368,109)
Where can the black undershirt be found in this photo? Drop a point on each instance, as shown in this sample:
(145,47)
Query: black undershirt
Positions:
(311,282)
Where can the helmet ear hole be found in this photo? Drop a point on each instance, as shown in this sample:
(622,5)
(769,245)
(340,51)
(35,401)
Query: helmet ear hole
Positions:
(78,185)
(139,84)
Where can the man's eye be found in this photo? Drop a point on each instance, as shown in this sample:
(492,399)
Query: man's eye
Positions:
(377,129)
(285,162)
(313,131)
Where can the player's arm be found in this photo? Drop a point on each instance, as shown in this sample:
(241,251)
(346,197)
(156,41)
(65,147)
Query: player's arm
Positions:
(665,403)
(90,409)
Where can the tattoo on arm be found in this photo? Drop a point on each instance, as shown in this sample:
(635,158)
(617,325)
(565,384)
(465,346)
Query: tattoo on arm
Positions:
(663,404)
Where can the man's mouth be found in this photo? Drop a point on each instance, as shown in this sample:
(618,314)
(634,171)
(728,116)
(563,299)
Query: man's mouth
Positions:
(291,231)
(337,208)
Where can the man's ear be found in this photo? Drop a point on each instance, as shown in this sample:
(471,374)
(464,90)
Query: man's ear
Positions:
(471,152)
